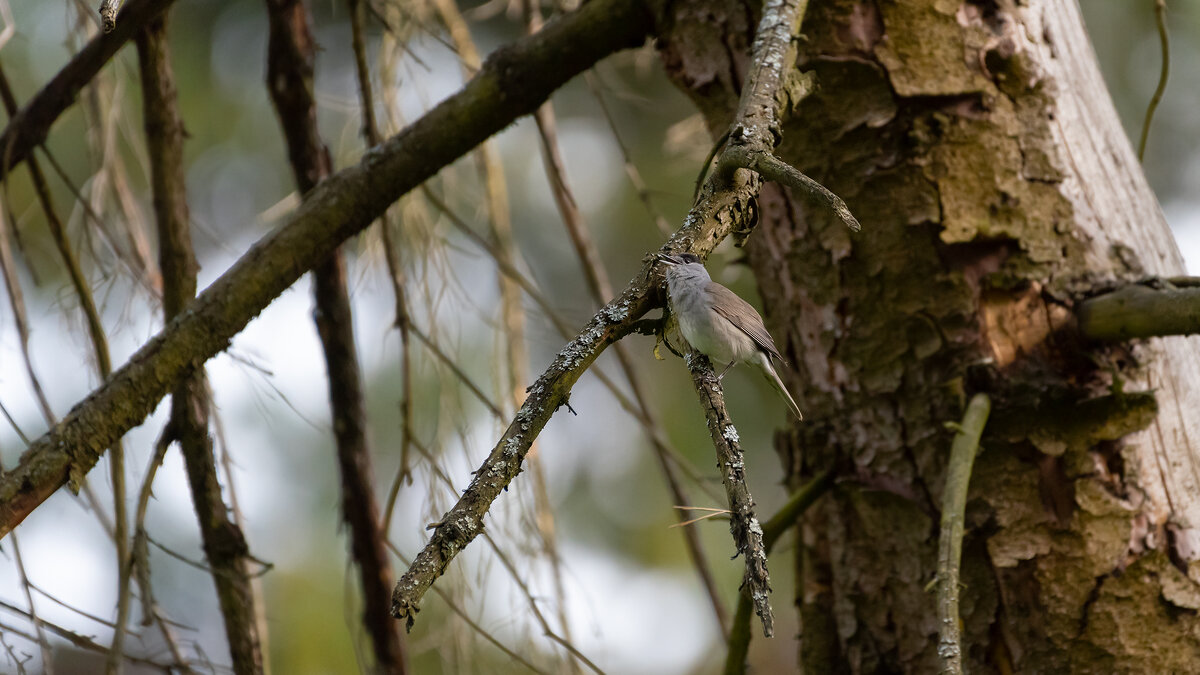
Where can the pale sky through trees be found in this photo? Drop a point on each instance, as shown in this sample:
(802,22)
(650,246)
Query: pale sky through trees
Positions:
(270,389)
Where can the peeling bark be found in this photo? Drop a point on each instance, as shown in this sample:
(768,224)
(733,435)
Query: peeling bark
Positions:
(977,144)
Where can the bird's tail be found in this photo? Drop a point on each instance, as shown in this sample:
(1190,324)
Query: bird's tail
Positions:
(773,377)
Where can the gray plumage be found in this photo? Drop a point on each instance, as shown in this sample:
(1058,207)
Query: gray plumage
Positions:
(719,324)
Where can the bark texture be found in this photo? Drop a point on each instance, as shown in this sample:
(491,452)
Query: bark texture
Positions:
(977,144)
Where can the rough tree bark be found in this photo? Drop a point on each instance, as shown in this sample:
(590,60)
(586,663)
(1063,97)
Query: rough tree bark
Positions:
(977,144)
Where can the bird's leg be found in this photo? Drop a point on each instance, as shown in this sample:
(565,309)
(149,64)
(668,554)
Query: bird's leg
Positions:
(724,370)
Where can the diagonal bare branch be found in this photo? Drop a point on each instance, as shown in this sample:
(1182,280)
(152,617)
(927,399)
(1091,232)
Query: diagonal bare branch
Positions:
(28,128)
(513,82)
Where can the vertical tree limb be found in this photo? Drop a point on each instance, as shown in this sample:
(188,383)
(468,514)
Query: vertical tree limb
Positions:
(954,504)
(224,544)
(290,58)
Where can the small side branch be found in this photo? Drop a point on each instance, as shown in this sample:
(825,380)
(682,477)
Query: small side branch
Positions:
(746,531)
(954,502)
(1140,311)
(774,169)
(1160,18)
(28,129)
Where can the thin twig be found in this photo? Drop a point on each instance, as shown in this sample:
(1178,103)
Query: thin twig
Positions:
(39,628)
(774,169)
(340,207)
(1160,19)
(512,311)
(631,170)
(462,614)
(100,351)
(372,135)
(954,503)
(16,300)
(108,14)
(511,568)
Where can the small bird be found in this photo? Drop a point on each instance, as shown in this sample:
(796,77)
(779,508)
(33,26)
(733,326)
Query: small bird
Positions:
(719,324)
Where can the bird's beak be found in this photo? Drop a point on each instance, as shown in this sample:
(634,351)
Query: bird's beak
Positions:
(669,259)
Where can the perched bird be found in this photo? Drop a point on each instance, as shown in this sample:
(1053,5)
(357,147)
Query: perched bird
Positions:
(719,324)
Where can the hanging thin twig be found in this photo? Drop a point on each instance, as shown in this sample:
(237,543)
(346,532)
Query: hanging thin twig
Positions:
(1160,19)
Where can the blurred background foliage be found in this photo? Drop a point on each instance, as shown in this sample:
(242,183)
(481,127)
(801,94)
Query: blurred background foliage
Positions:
(633,602)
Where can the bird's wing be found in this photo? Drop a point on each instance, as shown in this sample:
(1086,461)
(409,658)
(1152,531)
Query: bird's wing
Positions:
(743,316)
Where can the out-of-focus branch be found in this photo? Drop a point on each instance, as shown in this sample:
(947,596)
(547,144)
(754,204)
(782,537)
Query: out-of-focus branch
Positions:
(1141,311)
(108,14)
(743,525)
(954,503)
(466,617)
(28,128)
(100,351)
(370,131)
(290,60)
(631,170)
(1160,19)
(513,82)
(506,561)
(512,312)
(224,544)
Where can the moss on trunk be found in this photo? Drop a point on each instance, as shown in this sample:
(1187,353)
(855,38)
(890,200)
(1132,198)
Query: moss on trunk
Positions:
(961,135)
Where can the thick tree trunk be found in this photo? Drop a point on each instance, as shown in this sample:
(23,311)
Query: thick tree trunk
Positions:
(977,144)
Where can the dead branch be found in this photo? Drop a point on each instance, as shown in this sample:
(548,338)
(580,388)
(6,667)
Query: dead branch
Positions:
(513,82)
(290,61)
(773,529)
(28,128)
(223,542)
